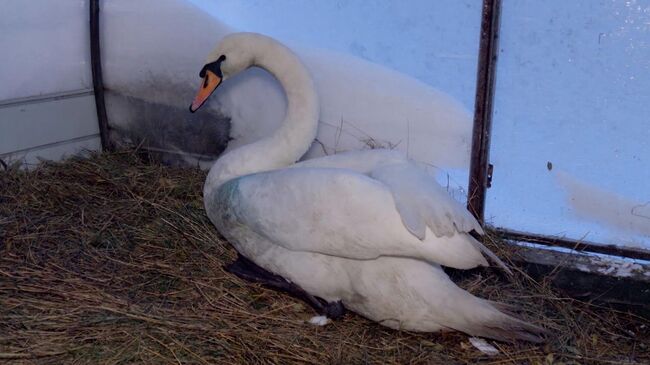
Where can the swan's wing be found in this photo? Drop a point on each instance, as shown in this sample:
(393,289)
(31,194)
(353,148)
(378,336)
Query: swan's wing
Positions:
(423,203)
(420,200)
(335,212)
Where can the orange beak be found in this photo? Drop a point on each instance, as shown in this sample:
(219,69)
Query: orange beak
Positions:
(210,83)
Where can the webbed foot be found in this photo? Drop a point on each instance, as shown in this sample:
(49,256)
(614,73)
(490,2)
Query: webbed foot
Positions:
(248,270)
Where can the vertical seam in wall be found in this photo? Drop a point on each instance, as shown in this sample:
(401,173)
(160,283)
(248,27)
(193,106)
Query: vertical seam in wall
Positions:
(98,82)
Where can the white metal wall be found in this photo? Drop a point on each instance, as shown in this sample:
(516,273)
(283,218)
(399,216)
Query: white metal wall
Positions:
(47,109)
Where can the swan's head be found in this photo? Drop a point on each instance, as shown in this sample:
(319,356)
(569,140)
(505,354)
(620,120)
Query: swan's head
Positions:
(233,54)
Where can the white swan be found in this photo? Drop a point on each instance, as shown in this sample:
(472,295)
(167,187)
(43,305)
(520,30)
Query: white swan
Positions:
(366,229)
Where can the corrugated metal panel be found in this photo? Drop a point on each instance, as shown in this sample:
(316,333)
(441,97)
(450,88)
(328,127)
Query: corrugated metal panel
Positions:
(55,151)
(29,124)
(45,47)
(48,127)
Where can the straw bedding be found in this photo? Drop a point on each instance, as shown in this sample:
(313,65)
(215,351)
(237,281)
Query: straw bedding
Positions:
(111,260)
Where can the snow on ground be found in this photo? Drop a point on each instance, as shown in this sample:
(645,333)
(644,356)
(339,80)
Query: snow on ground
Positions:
(600,263)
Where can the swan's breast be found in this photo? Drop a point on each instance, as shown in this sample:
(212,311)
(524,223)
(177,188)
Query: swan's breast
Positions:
(223,205)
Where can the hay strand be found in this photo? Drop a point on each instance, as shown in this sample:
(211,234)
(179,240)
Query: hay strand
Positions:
(112,260)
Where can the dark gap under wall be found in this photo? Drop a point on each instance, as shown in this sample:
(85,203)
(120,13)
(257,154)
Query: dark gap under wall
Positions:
(172,134)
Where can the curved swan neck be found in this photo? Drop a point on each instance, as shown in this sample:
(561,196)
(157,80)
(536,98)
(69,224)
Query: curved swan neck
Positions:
(296,133)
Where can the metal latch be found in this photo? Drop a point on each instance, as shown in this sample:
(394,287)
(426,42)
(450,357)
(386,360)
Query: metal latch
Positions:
(489,175)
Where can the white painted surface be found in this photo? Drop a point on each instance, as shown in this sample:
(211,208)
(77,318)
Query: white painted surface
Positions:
(55,152)
(46,110)
(33,124)
(45,47)
(572,89)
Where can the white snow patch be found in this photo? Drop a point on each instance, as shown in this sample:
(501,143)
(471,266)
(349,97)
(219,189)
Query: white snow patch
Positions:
(616,267)
(154,49)
(320,320)
(365,105)
(483,346)
(602,263)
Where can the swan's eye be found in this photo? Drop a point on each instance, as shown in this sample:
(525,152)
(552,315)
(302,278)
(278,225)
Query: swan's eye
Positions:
(213,66)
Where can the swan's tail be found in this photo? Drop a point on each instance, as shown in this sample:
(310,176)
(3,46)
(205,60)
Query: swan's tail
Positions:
(506,328)
(494,258)
(487,320)
(479,317)
(429,300)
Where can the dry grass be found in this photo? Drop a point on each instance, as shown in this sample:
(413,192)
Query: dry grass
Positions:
(112,260)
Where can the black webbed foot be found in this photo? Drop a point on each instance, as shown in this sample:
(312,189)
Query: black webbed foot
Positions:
(334,310)
(248,270)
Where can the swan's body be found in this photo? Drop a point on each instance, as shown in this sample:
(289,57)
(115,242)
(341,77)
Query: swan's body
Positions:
(369,228)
